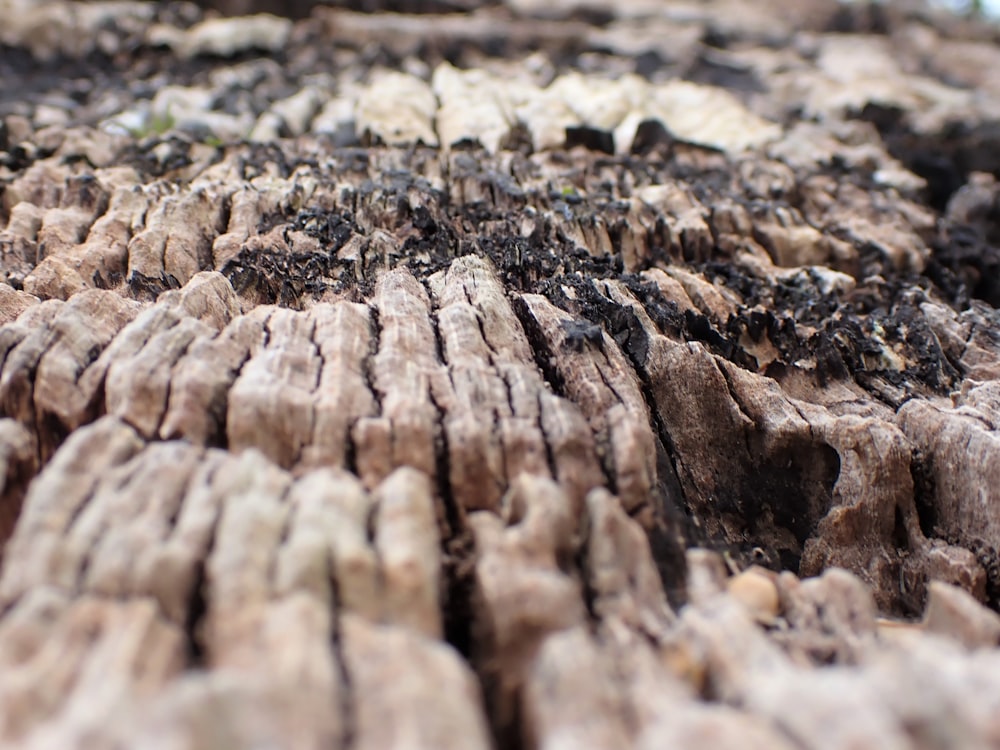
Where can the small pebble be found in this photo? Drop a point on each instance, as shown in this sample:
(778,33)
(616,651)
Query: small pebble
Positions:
(755,589)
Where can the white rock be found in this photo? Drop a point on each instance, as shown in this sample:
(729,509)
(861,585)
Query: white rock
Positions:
(335,116)
(600,103)
(226,127)
(473,107)
(399,109)
(298,109)
(226,36)
(709,116)
(545,113)
(46,115)
(267,128)
(127,122)
(175,103)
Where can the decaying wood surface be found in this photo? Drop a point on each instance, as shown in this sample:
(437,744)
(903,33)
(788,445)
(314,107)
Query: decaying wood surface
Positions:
(540,376)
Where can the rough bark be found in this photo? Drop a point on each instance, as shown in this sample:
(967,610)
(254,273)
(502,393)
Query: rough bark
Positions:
(378,380)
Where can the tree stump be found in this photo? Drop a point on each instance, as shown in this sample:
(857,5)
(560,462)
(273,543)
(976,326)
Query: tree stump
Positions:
(524,375)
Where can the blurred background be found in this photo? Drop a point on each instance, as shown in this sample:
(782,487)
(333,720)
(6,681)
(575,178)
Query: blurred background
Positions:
(989,8)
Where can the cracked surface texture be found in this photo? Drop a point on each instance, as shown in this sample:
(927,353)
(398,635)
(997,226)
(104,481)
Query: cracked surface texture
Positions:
(530,376)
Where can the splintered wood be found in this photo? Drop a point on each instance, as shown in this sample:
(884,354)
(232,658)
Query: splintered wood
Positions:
(543,376)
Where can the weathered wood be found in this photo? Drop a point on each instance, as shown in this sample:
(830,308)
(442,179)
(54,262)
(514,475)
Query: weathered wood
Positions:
(546,376)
